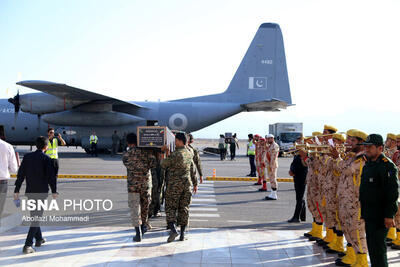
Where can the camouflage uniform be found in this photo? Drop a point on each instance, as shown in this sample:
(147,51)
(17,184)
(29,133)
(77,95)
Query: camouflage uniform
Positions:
(138,163)
(157,175)
(272,159)
(196,159)
(323,172)
(389,152)
(329,188)
(349,204)
(263,163)
(313,190)
(396,161)
(258,158)
(181,179)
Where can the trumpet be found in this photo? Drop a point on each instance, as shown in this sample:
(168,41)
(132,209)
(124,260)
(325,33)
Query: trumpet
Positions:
(316,149)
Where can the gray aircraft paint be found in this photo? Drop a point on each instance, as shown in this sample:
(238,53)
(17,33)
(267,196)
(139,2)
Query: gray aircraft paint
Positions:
(260,83)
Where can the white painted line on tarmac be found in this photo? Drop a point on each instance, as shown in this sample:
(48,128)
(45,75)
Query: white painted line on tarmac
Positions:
(203,209)
(198,220)
(203,205)
(204,195)
(238,221)
(205,192)
(204,200)
(206,215)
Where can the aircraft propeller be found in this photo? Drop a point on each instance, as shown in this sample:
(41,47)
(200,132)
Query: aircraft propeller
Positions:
(15,102)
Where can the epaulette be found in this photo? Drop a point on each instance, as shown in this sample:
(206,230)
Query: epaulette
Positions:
(385,159)
(361,156)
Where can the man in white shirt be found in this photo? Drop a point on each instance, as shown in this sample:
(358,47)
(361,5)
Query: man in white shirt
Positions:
(8,163)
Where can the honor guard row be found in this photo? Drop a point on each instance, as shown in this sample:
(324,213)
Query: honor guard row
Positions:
(265,152)
(352,189)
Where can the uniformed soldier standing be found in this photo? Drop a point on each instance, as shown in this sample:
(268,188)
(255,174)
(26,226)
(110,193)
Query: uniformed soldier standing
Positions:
(262,143)
(196,157)
(52,150)
(378,197)
(181,184)
(138,163)
(272,159)
(390,149)
(115,143)
(348,201)
(396,161)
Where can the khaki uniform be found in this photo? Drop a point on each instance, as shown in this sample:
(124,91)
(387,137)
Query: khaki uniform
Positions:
(138,163)
(271,155)
(349,204)
(181,179)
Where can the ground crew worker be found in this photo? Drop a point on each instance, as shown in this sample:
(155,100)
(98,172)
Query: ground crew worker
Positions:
(378,197)
(181,184)
(52,150)
(93,139)
(115,143)
(272,159)
(196,157)
(348,199)
(138,163)
(251,153)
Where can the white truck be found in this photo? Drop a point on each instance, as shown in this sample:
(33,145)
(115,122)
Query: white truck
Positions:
(285,134)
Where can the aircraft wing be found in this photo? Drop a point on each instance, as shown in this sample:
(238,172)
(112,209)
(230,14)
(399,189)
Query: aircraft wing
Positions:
(266,105)
(68,92)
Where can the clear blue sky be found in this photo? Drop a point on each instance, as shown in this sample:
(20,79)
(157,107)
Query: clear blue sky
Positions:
(342,56)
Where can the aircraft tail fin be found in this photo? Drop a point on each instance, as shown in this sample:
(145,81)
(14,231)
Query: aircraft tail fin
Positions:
(262,74)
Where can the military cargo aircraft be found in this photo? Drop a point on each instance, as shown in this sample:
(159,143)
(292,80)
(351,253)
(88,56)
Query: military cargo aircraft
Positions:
(259,84)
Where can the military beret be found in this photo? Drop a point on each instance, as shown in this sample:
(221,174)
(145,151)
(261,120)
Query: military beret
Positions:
(373,139)
(361,135)
(316,133)
(391,136)
(339,137)
(329,127)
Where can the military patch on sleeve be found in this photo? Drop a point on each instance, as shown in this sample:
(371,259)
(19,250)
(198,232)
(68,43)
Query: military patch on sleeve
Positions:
(384,159)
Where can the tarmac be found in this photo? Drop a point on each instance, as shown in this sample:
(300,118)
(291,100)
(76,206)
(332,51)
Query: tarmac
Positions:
(230,224)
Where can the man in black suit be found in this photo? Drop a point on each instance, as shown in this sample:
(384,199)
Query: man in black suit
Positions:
(298,170)
(38,171)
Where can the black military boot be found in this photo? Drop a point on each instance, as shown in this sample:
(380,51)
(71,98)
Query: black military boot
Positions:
(138,236)
(182,236)
(143,228)
(173,234)
(303,212)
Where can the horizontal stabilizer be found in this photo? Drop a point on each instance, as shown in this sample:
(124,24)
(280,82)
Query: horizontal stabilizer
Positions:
(266,105)
(68,92)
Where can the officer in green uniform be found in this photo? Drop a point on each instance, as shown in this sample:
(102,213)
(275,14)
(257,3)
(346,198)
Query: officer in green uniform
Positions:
(378,197)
